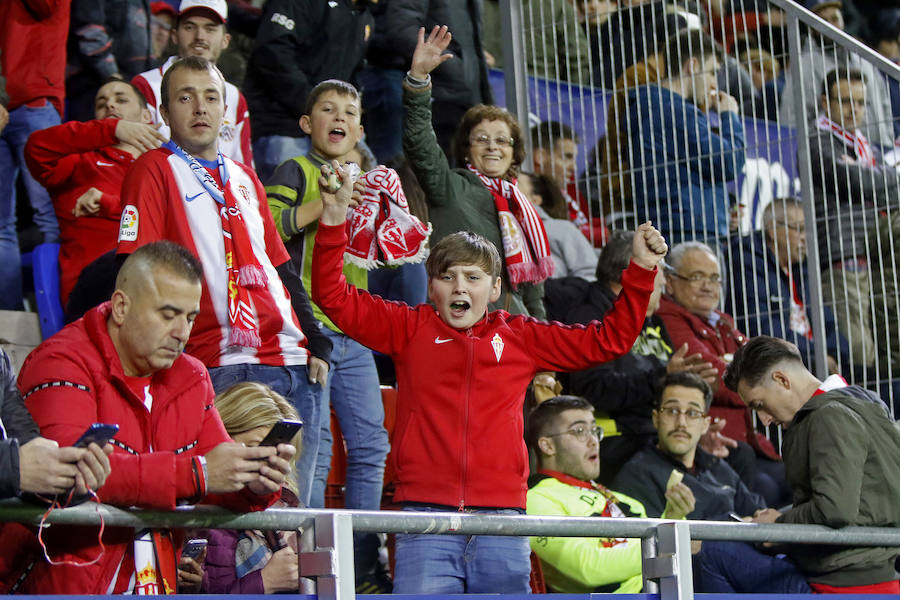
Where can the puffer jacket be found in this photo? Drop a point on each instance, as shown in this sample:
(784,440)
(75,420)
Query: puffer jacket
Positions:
(16,428)
(75,379)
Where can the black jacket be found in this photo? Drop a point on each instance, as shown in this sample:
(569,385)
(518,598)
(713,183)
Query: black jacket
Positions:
(16,427)
(462,80)
(301,43)
(625,388)
(717,488)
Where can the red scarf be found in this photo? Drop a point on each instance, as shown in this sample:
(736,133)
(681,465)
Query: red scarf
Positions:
(611,509)
(525,246)
(382,226)
(862,150)
(244,271)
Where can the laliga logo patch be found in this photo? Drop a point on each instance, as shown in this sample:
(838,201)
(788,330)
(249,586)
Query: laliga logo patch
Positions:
(497,343)
(128,224)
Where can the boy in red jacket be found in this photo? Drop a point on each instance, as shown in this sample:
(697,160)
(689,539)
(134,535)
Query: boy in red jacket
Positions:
(461,376)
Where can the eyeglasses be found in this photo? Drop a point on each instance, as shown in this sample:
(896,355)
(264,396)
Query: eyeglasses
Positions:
(798,227)
(581,433)
(697,279)
(500,140)
(691,414)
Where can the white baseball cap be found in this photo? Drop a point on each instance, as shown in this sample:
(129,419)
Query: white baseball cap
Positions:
(219,7)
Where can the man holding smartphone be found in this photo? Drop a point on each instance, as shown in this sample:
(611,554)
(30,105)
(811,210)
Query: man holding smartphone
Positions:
(123,364)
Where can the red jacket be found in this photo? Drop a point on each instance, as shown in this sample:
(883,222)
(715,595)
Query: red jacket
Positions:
(151,466)
(717,344)
(459,432)
(67,160)
(33,36)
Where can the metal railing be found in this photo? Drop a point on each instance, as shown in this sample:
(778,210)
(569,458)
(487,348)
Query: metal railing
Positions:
(570,65)
(326,552)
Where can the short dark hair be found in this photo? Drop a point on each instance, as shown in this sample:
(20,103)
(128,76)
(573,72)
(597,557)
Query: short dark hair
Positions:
(553,201)
(756,358)
(544,415)
(615,256)
(330,85)
(686,45)
(163,254)
(142,100)
(688,380)
(544,134)
(778,207)
(463,248)
(194,63)
(489,112)
(839,74)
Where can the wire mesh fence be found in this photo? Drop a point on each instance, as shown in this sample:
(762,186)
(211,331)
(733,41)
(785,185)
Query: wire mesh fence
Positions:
(701,117)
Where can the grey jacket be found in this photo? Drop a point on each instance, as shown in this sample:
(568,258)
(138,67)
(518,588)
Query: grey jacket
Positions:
(842,460)
(16,427)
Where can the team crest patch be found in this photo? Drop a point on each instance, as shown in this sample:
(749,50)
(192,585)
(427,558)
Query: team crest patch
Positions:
(244,192)
(128,224)
(497,344)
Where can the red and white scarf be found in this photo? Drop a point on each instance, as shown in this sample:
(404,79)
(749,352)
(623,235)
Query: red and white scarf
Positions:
(381,229)
(244,271)
(525,245)
(862,150)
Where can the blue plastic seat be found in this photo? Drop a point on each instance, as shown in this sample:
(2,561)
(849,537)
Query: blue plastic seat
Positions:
(45,268)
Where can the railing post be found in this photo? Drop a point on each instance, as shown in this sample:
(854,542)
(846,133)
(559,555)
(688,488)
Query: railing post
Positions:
(648,553)
(804,166)
(672,563)
(332,561)
(515,78)
(307,546)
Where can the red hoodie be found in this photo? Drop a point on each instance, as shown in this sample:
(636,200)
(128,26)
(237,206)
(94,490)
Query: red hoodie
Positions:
(459,433)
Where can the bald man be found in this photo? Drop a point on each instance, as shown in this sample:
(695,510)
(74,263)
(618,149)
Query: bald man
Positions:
(123,364)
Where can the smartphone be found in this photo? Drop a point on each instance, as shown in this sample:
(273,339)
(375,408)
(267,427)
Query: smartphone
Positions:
(193,548)
(99,433)
(281,433)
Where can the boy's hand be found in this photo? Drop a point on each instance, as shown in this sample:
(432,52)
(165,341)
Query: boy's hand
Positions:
(429,54)
(649,246)
(335,205)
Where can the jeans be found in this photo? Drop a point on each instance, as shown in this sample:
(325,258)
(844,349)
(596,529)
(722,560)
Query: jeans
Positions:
(292,383)
(739,568)
(459,564)
(354,393)
(383,111)
(408,283)
(22,121)
(272,150)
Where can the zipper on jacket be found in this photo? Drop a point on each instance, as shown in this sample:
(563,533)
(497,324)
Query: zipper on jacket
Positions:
(470,349)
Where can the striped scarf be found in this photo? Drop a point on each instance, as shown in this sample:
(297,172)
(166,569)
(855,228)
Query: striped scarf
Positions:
(525,246)
(861,148)
(244,271)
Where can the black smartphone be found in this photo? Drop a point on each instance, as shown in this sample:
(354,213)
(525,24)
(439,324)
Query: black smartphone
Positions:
(193,548)
(281,433)
(100,433)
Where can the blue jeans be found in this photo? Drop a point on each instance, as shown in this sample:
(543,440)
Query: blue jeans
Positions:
(383,111)
(272,150)
(292,383)
(354,393)
(739,568)
(462,564)
(408,283)
(22,121)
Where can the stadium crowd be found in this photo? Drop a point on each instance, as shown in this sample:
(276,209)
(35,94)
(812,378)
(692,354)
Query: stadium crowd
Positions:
(235,258)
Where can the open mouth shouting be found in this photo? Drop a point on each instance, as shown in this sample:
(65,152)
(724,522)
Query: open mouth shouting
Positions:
(459,307)
(336,135)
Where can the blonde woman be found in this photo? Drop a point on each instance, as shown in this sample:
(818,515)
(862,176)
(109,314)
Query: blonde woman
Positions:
(254,562)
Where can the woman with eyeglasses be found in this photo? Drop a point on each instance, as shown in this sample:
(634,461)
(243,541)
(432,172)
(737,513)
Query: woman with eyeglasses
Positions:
(689,310)
(481,195)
